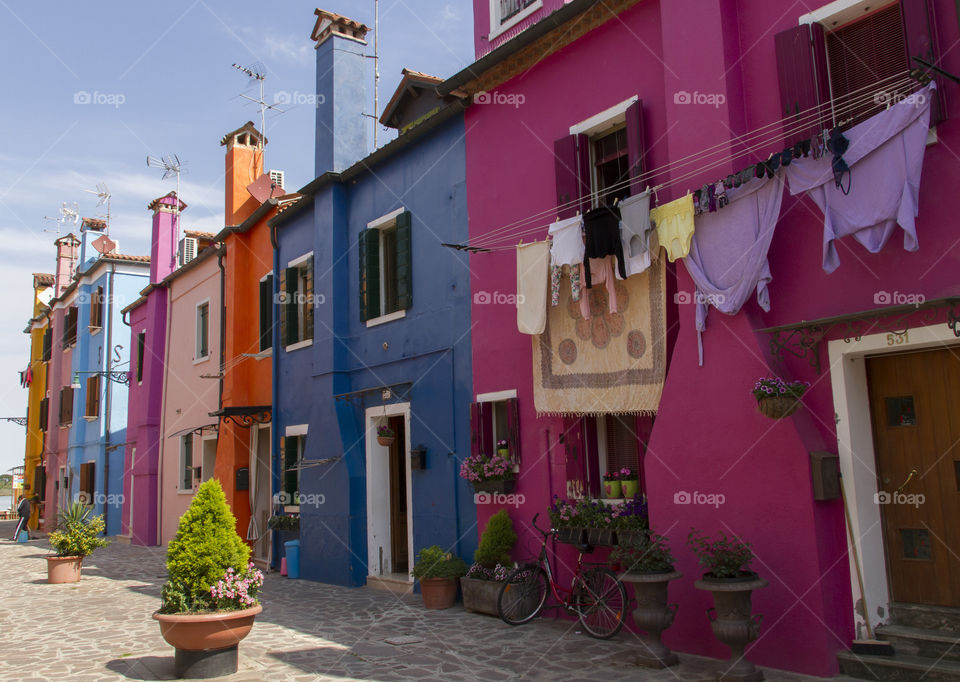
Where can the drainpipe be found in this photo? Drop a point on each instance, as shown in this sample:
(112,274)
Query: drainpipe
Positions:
(223,322)
(274,392)
(163,418)
(107,402)
(453,421)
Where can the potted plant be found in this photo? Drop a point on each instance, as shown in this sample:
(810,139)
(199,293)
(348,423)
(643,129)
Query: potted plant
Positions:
(631,522)
(489,474)
(729,578)
(629,483)
(77,535)
(438,571)
(777,398)
(565,520)
(481,585)
(209,601)
(598,519)
(649,566)
(611,485)
(503,449)
(385,435)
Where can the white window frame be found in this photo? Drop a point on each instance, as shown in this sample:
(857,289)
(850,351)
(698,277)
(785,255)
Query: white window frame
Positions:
(197,358)
(497,28)
(181,469)
(206,438)
(298,431)
(301,313)
(498,398)
(598,125)
(382,223)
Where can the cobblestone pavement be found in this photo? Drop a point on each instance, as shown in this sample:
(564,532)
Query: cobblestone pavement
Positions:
(100,629)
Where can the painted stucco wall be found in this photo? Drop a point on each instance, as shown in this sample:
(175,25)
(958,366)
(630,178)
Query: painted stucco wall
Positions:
(33,454)
(707,436)
(58,376)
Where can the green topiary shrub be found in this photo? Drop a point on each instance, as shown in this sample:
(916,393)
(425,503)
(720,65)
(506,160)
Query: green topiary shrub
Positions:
(206,545)
(435,562)
(496,541)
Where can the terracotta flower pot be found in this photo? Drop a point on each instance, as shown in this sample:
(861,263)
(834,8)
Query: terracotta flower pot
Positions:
(385,441)
(63,569)
(206,631)
(438,593)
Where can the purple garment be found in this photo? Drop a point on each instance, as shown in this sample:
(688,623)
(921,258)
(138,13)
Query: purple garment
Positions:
(885,158)
(728,253)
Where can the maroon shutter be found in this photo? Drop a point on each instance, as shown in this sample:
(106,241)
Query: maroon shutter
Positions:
(513,429)
(804,86)
(574,455)
(636,146)
(572,162)
(592,451)
(487,445)
(920,37)
(475,429)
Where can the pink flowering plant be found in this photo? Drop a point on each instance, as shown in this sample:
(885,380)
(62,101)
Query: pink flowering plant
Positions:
(235,590)
(582,513)
(769,387)
(479,572)
(480,468)
(384,431)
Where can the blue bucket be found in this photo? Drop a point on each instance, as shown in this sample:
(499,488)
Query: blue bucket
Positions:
(23,537)
(293,558)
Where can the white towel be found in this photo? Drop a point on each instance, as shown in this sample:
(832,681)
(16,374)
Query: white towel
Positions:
(533,283)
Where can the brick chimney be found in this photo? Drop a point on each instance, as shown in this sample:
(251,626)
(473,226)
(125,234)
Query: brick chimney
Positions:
(244,165)
(163,240)
(341,93)
(66,262)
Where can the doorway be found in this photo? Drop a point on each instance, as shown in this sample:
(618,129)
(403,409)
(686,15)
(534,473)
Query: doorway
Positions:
(208,458)
(915,413)
(398,498)
(260,483)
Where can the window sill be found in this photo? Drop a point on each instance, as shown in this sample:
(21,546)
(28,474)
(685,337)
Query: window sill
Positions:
(292,508)
(95,330)
(181,491)
(197,361)
(514,20)
(389,317)
(298,345)
(91,418)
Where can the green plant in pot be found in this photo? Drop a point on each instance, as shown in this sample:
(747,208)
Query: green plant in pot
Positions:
(727,563)
(78,535)
(611,485)
(649,566)
(385,435)
(629,483)
(492,474)
(481,585)
(438,572)
(209,601)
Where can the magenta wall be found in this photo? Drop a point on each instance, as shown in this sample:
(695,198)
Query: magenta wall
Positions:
(708,436)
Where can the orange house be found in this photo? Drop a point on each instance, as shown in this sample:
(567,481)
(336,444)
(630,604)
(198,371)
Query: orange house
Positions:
(245,413)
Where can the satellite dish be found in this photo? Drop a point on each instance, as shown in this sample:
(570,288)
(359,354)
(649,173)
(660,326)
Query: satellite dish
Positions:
(104,244)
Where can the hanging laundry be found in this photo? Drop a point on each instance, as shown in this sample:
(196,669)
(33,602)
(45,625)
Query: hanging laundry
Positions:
(602,274)
(602,228)
(635,232)
(674,223)
(533,263)
(567,247)
(728,253)
(885,155)
(556,275)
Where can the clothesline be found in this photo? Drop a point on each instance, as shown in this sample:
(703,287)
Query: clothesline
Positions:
(489,241)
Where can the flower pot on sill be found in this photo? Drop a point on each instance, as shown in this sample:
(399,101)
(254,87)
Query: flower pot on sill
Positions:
(63,569)
(503,487)
(206,643)
(778,406)
(572,536)
(480,596)
(438,593)
(732,622)
(601,537)
(631,538)
(503,453)
(385,441)
(629,489)
(611,489)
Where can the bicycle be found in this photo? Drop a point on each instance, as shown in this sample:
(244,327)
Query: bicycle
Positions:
(596,596)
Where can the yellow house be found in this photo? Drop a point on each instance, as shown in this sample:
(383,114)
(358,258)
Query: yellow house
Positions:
(34,474)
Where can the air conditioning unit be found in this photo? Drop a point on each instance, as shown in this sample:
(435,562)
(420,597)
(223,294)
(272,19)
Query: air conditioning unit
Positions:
(276,177)
(187,250)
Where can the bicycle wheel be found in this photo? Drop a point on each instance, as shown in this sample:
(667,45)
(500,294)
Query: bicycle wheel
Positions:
(601,602)
(522,596)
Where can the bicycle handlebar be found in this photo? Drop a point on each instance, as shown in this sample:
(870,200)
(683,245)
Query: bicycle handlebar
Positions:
(544,532)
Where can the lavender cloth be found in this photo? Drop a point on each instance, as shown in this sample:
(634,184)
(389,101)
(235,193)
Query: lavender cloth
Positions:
(885,158)
(728,254)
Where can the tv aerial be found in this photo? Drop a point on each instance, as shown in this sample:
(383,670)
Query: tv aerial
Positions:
(103,196)
(69,215)
(172,166)
(257,74)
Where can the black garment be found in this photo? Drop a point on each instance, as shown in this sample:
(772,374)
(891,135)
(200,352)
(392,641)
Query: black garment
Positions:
(602,227)
(23,510)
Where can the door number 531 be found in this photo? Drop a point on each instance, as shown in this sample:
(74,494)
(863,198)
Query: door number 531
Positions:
(897,339)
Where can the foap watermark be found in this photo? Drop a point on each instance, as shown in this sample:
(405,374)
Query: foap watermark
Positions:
(697,497)
(497,298)
(686,298)
(911,499)
(297,298)
(110,500)
(512,500)
(884,98)
(297,98)
(714,99)
(897,298)
(113,99)
(513,100)
(299,499)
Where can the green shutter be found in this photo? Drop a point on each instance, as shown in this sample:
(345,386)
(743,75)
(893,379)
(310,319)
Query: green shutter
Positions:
(266,312)
(290,472)
(290,305)
(404,261)
(308,299)
(369,274)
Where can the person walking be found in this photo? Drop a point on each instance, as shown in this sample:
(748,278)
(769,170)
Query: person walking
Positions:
(23,509)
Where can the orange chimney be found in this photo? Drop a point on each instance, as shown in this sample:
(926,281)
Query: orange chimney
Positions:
(244,164)
(66,262)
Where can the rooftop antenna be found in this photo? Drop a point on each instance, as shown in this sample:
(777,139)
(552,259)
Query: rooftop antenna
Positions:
(256,72)
(376,71)
(171,165)
(69,214)
(103,194)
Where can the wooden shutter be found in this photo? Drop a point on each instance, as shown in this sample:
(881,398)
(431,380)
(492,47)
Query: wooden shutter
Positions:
(404,261)
(572,164)
(282,307)
(636,146)
(476,438)
(88,479)
(574,456)
(93,396)
(44,416)
(306,299)
(266,313)
(369,274)
(804,84)
(290,464)
(40,482)
(290,305)
(591,451)
(513,429)
(141,348)
(920,38)
(66,405)
(47,344)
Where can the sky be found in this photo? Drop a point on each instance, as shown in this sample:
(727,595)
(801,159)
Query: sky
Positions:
(93,88)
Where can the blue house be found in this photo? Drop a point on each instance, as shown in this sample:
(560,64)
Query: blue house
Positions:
(100,362)
(373,331)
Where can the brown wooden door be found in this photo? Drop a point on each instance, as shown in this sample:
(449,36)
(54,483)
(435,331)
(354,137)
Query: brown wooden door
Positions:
(915,408)
(398,497)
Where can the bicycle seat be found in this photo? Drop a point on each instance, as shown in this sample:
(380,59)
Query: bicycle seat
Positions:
(528,564)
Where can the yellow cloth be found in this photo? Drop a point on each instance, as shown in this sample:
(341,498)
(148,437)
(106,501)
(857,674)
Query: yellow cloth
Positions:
(675,226)
(533,283)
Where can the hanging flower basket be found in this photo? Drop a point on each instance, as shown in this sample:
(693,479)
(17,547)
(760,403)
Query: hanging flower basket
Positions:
(385,436)
(776,398)
(385,441)
(778,407)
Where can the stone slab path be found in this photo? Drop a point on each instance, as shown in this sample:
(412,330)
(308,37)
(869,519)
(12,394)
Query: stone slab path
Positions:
(100,629)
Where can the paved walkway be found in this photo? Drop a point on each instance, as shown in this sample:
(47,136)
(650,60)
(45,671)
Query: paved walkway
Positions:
(100,629)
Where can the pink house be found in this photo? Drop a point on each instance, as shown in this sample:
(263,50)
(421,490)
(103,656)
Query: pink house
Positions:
(572,98)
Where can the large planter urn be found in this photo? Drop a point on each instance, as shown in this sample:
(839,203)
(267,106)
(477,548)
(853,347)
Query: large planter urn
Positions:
(480,596)
(653,615)
(63,569)
(438,593)
(206,643)
(733,622)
